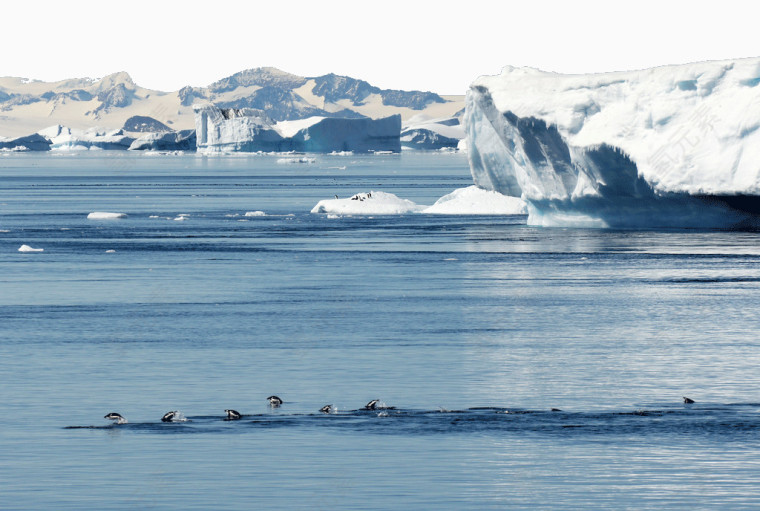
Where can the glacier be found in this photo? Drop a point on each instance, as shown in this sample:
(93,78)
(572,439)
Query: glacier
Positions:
(673,146)
(250,130)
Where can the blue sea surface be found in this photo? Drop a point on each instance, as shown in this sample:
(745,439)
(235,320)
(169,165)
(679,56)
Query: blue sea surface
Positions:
(470,330)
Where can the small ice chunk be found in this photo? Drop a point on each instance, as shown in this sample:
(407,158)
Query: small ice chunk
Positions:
(286,161)
(255,213)
(102,215)
(27,248)
(110,251)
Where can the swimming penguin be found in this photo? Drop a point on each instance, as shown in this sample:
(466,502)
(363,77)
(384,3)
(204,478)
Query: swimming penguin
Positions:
(327,409)
(169,416)
(274,401)
(232,415)
(372,404)
(116,417)
(688,401)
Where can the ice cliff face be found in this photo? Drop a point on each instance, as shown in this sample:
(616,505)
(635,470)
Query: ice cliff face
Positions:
(250,130)
(670,146)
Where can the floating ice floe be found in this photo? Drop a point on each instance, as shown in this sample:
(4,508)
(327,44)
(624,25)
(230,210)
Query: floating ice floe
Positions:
(288,161)
(464,201)
(476,201)
(372,203)
(27,248)
(102,215)
(255,213)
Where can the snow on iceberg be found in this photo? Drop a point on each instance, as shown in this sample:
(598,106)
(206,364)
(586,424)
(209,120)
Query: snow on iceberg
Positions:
(372,203)
(27,248)
(674,146)
(102,215)
(476,201)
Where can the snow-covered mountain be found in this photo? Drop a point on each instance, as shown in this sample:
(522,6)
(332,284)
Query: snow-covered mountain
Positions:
(27,106)
(670,146)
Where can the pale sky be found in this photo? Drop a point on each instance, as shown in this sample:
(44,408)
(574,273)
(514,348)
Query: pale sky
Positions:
(437,45)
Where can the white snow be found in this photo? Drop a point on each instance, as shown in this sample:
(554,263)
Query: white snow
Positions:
(289,128)
(422,121)
(476,201)
(372,203)
(602,148)
(255,213)
(464,201)
(27,248)
(102,215)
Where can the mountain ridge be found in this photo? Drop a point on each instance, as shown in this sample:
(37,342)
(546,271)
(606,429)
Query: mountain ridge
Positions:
(28,106)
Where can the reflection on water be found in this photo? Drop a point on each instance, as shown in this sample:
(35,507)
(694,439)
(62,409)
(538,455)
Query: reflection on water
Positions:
(474,316)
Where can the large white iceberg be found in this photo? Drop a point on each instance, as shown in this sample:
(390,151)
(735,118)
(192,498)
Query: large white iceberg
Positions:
(674,146)
(250,130)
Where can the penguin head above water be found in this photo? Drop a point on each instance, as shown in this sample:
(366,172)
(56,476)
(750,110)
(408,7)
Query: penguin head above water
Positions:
(274,401)
(117,417)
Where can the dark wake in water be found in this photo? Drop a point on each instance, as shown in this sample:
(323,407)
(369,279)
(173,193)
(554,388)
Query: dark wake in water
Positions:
(711,420)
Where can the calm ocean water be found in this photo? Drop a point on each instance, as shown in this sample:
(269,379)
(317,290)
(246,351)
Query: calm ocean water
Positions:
(472,328)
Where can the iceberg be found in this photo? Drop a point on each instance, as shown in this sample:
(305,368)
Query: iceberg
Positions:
(34,142)
(183,140)
(463,201)
(372,203)
(425,133)
(67,139)
(673,146)
(476,201)
(251,130)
